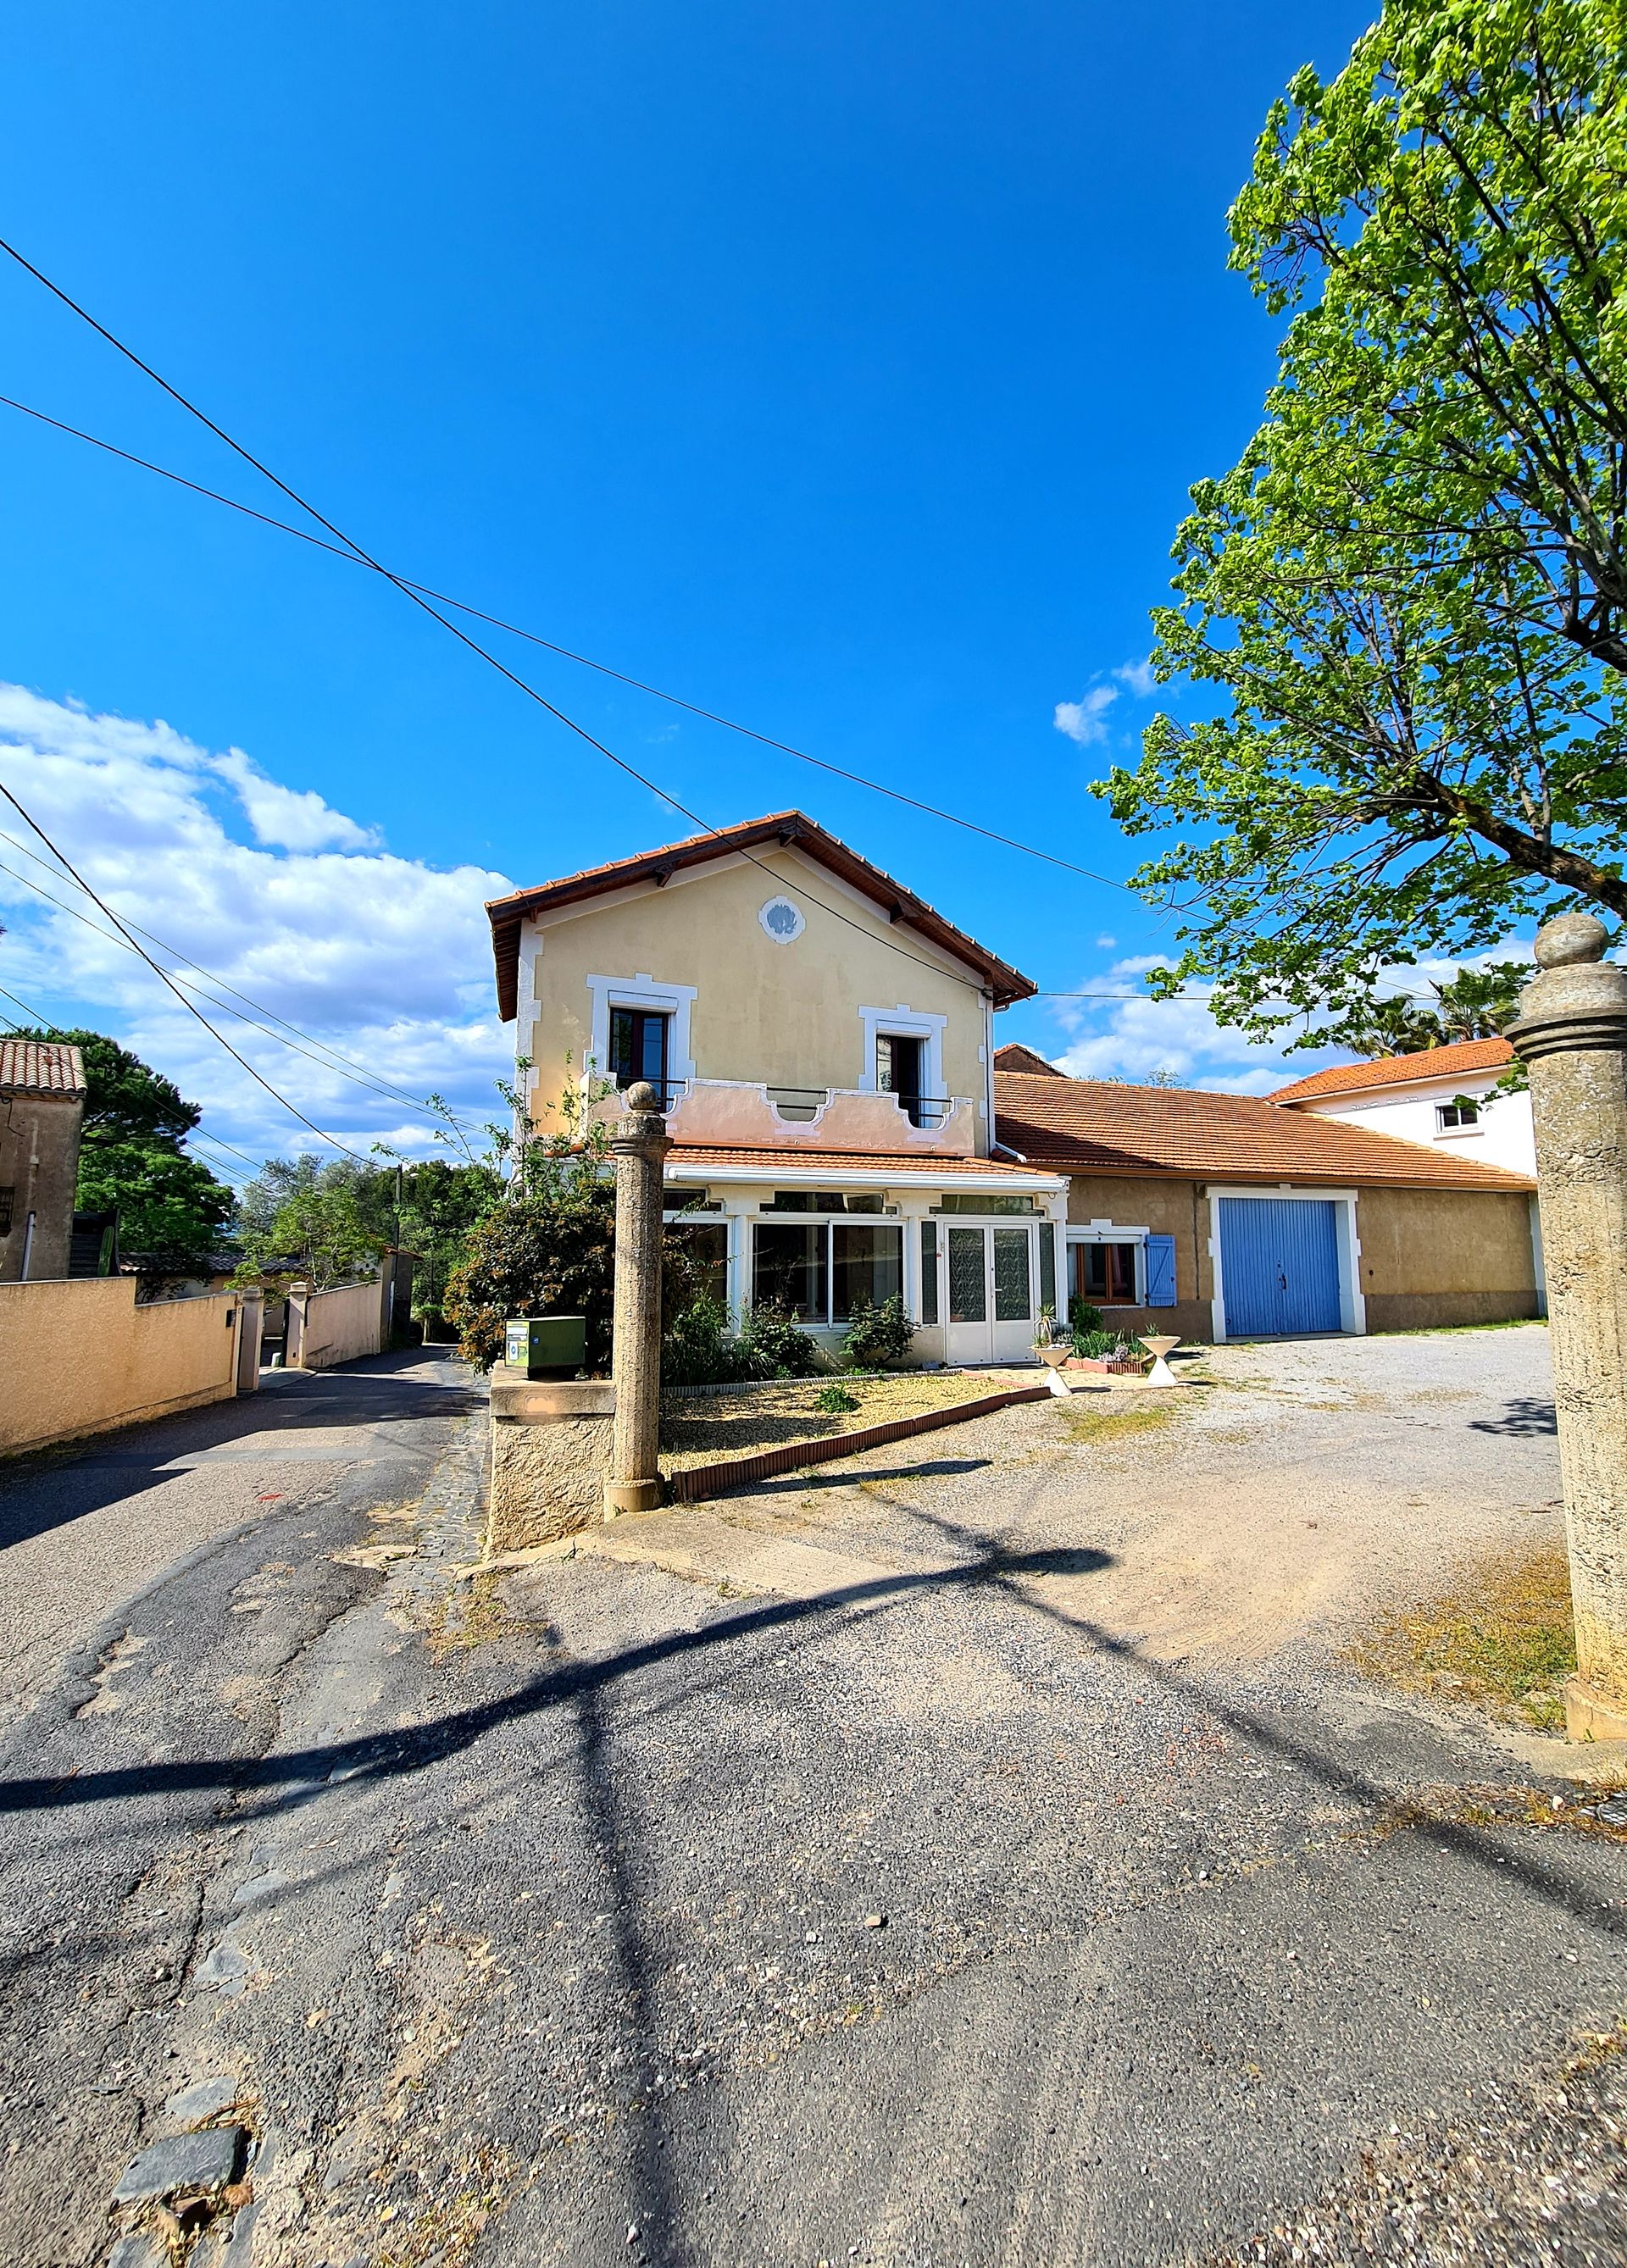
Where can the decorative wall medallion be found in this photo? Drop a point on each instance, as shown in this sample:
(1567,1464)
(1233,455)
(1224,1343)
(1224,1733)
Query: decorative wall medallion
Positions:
(782,920)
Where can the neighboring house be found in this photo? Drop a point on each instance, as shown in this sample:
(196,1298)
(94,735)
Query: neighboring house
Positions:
(1242,1220)
(822,1040)
(42,1106)
(1443,1095)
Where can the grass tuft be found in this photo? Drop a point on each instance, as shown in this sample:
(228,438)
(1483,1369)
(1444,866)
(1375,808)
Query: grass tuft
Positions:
(1499,1639)
(1110,1424)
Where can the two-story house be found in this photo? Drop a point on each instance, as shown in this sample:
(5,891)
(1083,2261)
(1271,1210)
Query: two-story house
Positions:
(824,1042)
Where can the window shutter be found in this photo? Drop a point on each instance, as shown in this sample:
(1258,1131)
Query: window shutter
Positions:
(1160,1271)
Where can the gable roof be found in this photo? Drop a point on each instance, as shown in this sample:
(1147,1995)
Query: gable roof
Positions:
(40,1067)
(1079,1126)
(1014,1056)
(1399,1071)
(778,831)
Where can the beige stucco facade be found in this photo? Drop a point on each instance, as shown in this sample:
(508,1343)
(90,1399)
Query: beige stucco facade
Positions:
(79,1357)
(39,1167)
(751,1012)
(1421,1258)
(1431,1257)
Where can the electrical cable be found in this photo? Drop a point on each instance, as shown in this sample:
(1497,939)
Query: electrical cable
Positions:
(357,558)
(191,1006)
(33,1015)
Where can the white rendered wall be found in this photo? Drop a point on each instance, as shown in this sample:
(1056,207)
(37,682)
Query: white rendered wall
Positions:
(1503,1137)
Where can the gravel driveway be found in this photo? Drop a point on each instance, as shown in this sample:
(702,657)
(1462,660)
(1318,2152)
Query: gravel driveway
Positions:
(975,1858)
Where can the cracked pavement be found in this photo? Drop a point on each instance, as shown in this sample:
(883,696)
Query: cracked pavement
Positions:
(939,1860)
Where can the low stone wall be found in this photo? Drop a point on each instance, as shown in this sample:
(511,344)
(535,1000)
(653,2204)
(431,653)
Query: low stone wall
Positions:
(81,1357)
(550,1457)
(328,1327)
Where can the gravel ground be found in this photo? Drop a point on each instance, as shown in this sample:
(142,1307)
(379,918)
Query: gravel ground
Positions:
(1014,1878)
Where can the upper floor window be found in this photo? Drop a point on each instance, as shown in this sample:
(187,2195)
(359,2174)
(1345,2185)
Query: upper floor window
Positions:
(899,1066)
(1451,1117)
(639,1047)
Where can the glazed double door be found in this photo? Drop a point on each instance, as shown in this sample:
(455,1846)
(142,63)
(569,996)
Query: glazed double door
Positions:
(989,1310)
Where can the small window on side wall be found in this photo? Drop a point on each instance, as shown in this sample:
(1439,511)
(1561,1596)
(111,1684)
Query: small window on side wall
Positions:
(1453,1117)
(1105,1274)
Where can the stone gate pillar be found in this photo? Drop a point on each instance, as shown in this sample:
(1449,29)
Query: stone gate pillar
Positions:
(1572,1032)
(640,1143)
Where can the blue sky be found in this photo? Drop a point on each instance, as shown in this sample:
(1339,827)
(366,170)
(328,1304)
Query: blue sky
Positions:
(842,368)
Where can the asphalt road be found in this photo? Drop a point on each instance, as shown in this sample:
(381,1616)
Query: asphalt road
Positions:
(927,1904)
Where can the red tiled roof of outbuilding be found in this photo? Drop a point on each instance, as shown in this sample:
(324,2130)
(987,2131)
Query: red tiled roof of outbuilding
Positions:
(1090,1126)
(1014,1056)
(1463,1057)
(40,1067)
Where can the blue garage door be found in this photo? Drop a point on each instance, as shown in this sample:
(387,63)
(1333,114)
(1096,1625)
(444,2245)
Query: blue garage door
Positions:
(1280,1266)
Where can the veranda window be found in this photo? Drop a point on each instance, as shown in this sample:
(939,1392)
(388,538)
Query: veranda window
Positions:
(823,1272)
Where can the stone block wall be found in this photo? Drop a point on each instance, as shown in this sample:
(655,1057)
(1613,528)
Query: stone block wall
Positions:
(550,1457)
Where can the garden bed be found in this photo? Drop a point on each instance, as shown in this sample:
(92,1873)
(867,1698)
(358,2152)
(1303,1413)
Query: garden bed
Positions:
(697,1429)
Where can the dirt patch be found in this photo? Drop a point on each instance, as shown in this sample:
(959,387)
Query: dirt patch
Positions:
(696,1429)
(1499,1638)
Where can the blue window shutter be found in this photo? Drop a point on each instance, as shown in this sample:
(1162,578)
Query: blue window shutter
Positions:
(1160,1271)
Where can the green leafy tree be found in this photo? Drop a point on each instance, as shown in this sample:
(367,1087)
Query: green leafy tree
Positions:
(133,1161)
(313,1222)
(1473,1005)
(1410,597)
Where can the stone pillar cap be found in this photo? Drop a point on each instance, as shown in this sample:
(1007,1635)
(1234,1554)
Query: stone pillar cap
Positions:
(1577,1002)
(1569,939)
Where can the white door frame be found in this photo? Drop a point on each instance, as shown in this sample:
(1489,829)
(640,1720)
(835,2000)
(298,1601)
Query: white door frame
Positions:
(996,1342)
(1352,1305)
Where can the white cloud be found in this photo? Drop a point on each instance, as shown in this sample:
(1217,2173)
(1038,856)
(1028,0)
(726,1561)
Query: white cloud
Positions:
(290,818)
(385,959)
(1085,720)
(1106,943)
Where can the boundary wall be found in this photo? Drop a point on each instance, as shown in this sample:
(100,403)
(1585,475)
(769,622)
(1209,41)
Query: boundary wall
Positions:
(80,1357)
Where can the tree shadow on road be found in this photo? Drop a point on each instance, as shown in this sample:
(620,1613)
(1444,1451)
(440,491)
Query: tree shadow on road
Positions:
(1524,1415)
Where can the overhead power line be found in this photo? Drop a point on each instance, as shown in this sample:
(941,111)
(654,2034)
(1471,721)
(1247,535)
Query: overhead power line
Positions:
(356,558)
(407,592)
(165,979)
(33,1015)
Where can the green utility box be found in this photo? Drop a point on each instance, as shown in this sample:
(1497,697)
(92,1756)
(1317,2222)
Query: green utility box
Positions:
(547,1346)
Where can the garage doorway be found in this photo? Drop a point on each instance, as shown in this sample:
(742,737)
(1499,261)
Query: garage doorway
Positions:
(1280,1266)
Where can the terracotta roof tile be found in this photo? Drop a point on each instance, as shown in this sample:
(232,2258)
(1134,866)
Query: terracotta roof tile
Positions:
(40,1067)
(1400,1071)
(717,1158)
(1080,1126)
(1014,1056)
(777,831)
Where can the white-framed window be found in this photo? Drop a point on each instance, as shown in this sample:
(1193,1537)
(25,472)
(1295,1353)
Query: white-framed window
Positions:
(905,1057)
(1458,1117)
(823,1270)
(634,1021)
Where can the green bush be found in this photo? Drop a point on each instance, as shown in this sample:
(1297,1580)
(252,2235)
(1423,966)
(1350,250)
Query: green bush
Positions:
(698,1348)
(1082,1316)
(777,1344)
(878,1335)
(835,1401)
(549,1252)
(1094,1345)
